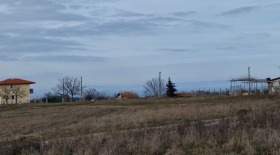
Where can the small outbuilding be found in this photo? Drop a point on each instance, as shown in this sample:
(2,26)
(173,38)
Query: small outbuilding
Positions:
(127,95)
(183,95)
(273,85)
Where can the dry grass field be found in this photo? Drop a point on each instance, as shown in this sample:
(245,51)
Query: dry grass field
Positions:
(198,125)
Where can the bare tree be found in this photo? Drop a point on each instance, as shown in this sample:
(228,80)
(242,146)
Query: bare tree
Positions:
(5,93)
(91,93)
(15,92)
(68,86)
(18,93)
(155,87)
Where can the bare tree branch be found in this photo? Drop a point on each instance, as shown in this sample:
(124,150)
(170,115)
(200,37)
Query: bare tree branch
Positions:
(155,87)
(18,93)
(68,86)
(5,93)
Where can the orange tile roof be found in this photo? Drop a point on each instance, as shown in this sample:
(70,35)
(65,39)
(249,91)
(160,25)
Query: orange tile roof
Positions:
(15,82)
(129,95)
(184,95)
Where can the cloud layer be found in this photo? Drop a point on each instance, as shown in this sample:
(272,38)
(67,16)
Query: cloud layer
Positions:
(113,42)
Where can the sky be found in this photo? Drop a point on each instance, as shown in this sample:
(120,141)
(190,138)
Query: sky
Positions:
(121,44)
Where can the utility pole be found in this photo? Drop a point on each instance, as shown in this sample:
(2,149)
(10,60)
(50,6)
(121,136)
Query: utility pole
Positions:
(249,78)
(81,88)
(63,90)
(159,84)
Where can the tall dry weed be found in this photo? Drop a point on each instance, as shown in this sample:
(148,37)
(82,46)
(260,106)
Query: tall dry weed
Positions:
(215,126)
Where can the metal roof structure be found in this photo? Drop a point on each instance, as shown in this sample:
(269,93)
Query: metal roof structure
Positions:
(246,79)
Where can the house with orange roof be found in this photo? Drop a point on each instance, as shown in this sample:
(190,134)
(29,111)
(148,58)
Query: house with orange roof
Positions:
(127,95)
(14,91)
(183,95)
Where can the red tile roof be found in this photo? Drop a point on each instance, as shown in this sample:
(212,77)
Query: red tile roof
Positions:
(128,95)
(184,95)
(15,82)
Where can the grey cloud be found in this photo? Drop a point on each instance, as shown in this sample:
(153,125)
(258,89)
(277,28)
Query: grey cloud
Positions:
(124,27)
(64,58)
(227,48)
(177,50)
(257,35)
(76,7)
(54,58)
(164,19)
(144,26)
(153,17)
(183,14)
(29,12)
(37,44)
(33,10)
(90,28)
(131,14)
(8,58)
(23,30)
(41,16)
(248,9)
(84,1)
(195,24)
(117,26)
(241,10)
(31,30)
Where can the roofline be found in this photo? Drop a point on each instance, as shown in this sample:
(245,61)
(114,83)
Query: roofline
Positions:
(23,82)
(275,79)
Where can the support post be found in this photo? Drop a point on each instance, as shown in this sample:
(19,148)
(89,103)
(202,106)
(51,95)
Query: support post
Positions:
(81,88)
(159,83)
(249,78)
(63,91)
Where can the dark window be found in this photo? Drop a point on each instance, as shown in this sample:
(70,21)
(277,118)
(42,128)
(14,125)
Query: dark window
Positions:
(13,97)
(31,91)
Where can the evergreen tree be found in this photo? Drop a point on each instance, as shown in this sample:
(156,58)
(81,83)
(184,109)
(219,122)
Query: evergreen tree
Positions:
(171,90)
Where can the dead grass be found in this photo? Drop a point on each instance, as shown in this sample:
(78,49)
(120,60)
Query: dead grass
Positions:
(203,125)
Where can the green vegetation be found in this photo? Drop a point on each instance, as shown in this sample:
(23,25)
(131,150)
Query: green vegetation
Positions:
(170,88)
(198,125)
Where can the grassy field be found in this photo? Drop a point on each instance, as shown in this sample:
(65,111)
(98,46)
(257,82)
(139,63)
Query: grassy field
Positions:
(198,125)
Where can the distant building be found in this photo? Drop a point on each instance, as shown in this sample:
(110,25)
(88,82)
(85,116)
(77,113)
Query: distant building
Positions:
(127,95)
(14,91)
(184,95)
(273,85)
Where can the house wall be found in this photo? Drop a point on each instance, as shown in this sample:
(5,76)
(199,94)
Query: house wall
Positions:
(119,97)
(24,99)
(274,87)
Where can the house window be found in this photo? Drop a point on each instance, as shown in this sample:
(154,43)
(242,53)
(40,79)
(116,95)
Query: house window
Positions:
(31,91)
(13,97)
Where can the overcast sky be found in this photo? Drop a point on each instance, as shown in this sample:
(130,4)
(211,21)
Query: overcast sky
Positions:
(114,43)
